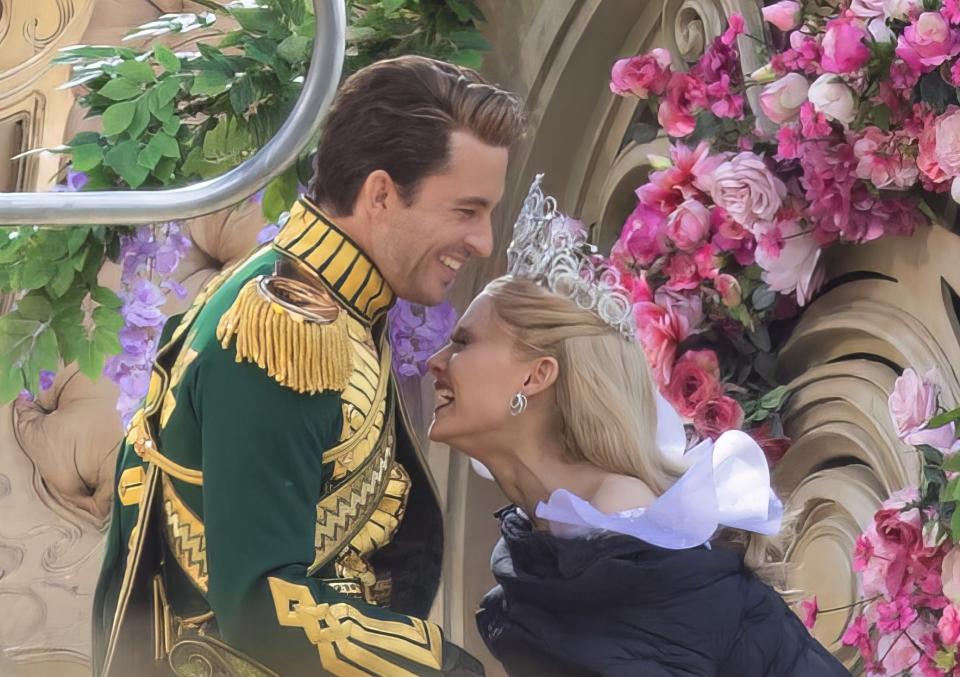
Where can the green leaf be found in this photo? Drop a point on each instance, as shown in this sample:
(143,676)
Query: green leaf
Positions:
(774,399)
(90,360)
(470,58)
(209,83)
(760,337)
(164,171)
(280,194)
(78,235)
(166,91)
(120,89)
(294,49)
(105,340)
(36,273)
(470,39)
(166,58)
(61,281)
(263,50)
(137,70)
(122,158)
(43,356)
(763,297)
(117,118)
(35,307)
(258,20)
(149,156)
(11,381)
(642,132)
(108,318)
(242,95)
(141,118)
(106,297)
(952,463)
(943,419)
(83,138)
(86,157)
(171,125)
(461,9)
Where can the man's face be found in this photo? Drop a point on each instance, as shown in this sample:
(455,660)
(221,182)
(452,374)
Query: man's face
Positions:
(420,247)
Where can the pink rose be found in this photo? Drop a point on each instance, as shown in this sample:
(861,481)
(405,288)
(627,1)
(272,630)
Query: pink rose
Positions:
(912,403)
(642,75)
(695,379)
(715,417)
(684,96)
(689,224)
(707,261)
(682,272)
(881,161)
(810,609)
(866,9)
(746,189)
(900,528)
(662,325)
(949,626)
(951,575)
(781,100)
(729,289)
(785,14)
(796,268)
(843,46)
(642,239)
(927,42)
(947,143)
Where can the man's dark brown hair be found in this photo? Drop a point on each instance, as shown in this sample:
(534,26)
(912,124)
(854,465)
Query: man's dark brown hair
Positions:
(397,115)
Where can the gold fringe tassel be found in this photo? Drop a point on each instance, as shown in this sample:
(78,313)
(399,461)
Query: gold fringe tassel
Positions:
(298,353)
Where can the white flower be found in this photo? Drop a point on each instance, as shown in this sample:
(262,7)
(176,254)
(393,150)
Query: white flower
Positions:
(830,96)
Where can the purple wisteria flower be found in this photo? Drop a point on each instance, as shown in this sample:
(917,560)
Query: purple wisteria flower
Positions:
(75,182)
(46,379)
(417,332)
(147,252)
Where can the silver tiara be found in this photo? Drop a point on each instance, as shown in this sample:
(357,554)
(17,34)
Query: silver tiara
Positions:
(546,250)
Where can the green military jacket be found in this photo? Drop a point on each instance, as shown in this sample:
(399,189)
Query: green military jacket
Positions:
(270,516)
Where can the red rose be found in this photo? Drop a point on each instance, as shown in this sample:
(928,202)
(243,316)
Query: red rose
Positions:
(894,528)
(694,380)
(717,416)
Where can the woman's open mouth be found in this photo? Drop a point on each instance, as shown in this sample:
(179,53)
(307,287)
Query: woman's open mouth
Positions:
(444,398)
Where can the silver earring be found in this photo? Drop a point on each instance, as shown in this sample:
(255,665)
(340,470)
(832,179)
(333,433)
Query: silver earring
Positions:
(518,404)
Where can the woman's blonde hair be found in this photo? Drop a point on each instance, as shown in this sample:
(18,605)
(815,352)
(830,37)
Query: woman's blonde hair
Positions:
(606,398)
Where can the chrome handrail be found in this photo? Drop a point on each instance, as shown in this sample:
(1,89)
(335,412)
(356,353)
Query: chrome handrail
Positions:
(130,207)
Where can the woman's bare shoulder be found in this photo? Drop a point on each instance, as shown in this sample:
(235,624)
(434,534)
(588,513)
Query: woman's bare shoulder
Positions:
(619,493)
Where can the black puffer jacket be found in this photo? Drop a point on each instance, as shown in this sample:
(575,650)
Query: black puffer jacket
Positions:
(614,605)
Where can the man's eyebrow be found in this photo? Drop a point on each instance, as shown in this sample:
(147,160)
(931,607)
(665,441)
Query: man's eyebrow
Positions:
(473,201)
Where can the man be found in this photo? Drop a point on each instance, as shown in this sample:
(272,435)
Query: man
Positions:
(271,517)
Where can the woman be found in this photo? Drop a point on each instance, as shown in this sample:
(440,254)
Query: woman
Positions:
(605,564)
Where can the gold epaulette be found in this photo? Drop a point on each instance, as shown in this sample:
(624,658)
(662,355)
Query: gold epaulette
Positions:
(295,331)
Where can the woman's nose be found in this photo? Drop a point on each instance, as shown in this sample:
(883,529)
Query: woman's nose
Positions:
(438,362)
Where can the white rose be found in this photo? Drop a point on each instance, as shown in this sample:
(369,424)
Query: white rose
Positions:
(901,9)
(880,31)
(834,99)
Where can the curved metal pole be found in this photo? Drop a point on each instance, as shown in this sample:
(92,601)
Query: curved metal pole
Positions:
(148,206)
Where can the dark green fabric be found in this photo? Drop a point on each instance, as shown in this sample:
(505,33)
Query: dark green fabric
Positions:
(260,447)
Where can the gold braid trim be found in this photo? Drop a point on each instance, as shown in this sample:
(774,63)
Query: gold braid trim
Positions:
(295,332)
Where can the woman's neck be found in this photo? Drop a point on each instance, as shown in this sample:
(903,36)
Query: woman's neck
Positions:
(530,470)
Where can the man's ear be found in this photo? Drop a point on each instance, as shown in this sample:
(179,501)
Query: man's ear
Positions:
(542,375)
(376,193)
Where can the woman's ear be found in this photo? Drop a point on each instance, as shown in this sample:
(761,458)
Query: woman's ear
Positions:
(542,375)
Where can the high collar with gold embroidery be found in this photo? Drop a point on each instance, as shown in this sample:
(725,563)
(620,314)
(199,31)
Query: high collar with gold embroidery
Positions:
(314,241)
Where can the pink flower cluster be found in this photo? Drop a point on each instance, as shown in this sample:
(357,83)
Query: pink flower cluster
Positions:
(909,568)
(715,83)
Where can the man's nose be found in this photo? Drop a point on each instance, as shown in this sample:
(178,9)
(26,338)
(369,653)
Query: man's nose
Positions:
(480,240)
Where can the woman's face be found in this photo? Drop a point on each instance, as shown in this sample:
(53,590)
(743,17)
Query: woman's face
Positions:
(477,374)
